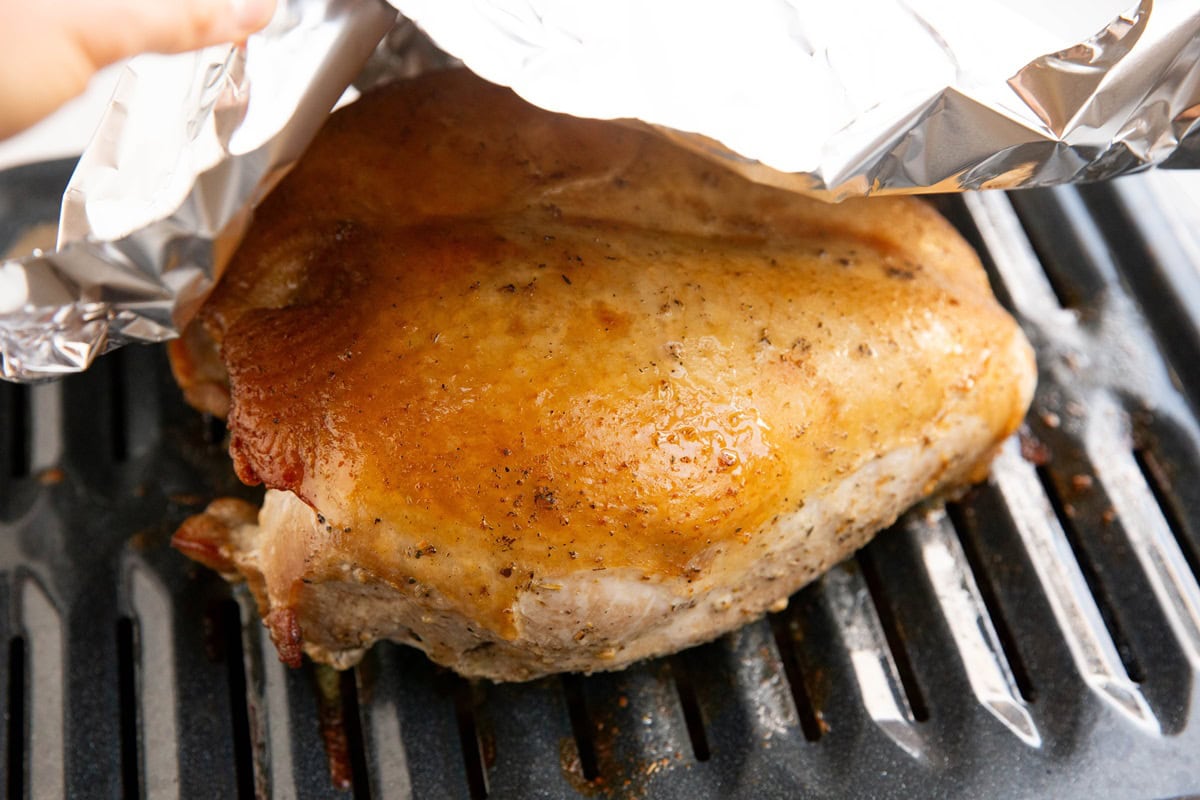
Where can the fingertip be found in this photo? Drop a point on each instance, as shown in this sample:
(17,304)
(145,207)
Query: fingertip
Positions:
(221,21)
(251,15)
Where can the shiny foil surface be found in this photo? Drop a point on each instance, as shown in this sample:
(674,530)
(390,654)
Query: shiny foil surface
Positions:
(164,191)
(834,99)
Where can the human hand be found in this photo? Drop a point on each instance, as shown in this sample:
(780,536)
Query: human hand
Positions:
(49,49)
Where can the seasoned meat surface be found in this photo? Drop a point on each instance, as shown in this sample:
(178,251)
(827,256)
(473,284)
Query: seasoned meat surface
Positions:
(536,393)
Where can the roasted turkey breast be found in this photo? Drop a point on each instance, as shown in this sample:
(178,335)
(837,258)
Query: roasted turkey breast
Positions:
(536,393)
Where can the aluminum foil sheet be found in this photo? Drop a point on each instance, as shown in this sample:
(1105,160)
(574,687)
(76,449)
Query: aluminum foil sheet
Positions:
(164,191)
(860,96)
(835,99)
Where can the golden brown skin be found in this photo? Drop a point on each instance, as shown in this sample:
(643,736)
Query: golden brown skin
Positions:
(494,346)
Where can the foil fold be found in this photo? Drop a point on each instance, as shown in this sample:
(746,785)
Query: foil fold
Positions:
(165,190)
(834,99)
(864,96)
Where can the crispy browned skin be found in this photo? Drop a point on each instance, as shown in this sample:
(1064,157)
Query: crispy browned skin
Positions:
(495,347)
